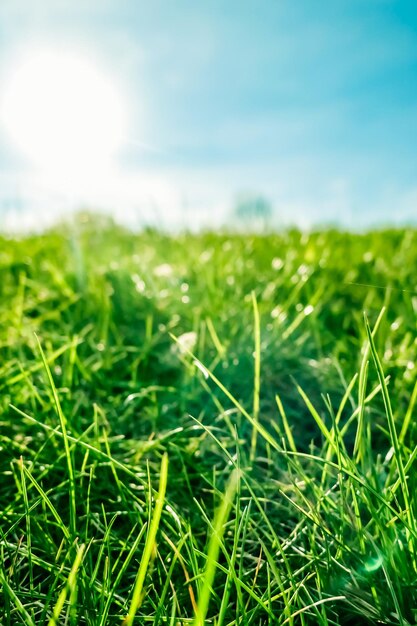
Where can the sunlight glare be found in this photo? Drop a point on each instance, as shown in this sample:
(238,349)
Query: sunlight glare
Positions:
(63,113)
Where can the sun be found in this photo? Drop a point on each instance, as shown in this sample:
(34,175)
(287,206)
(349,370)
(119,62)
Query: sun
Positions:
(63,113)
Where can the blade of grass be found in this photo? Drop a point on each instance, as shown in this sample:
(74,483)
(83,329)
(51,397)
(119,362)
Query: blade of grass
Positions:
(287,428)
(15,598)
(256,376)
(394,440)
(68,588)
(47,502)
(359,447)
(220,520)
(149,545)
(63,424)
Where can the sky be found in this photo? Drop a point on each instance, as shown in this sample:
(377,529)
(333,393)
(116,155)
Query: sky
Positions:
(312,105)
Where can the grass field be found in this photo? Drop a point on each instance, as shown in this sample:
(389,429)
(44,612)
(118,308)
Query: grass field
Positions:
(206,429)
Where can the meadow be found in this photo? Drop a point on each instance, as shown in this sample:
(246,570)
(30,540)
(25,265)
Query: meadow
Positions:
(213,428)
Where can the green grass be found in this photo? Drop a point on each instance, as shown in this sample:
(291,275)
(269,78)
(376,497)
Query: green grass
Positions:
(206,429)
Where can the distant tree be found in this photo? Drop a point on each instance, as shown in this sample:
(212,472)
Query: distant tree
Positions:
(253,209)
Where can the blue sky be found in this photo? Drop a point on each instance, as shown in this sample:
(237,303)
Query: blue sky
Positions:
(313,104)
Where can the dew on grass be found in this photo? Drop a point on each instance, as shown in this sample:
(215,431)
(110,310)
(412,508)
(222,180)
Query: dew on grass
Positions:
(206,255)
(276,311)
(389,455)
(373,564)
(279,314)
(202,369)
(308,309)
(163,271)
(186,342)
(139,283)
(277,263)
(303,270)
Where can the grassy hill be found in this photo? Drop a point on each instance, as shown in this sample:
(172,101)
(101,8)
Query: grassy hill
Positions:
(202,428)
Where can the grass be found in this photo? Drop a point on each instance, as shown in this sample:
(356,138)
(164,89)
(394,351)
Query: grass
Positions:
(205,429)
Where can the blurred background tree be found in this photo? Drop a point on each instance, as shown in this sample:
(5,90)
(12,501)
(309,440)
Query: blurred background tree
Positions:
(253,209)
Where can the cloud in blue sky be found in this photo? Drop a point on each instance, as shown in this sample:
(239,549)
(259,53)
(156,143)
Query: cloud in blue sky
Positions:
(313,104)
